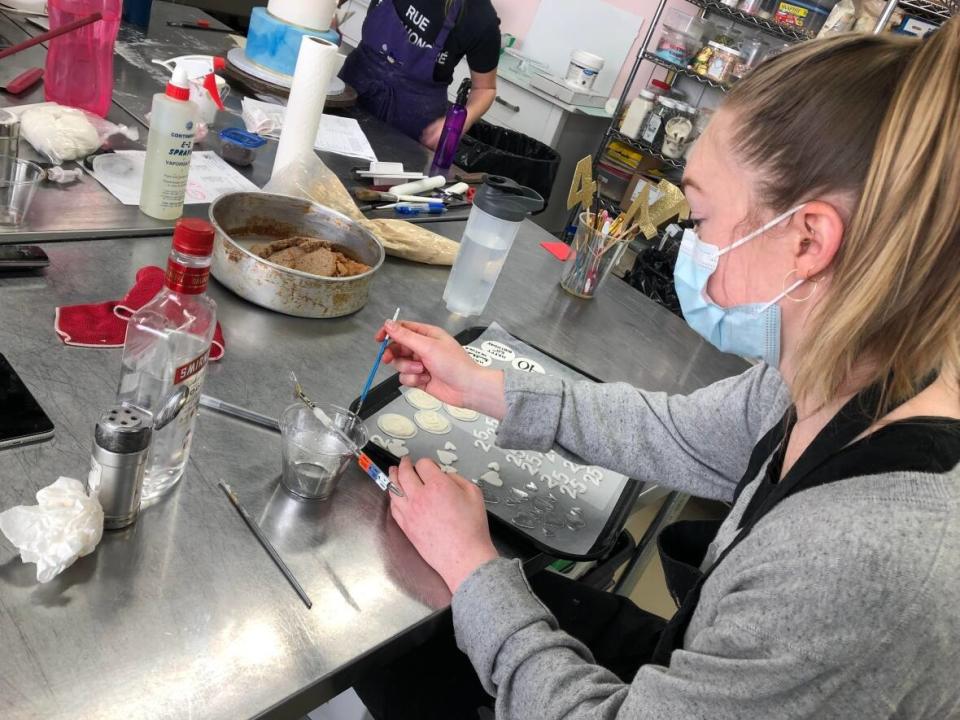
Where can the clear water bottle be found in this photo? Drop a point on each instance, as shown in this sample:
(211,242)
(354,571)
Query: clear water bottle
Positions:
(79,67)
(168,342)
(499,208)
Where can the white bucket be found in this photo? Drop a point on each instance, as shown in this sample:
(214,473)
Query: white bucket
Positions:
(583,70)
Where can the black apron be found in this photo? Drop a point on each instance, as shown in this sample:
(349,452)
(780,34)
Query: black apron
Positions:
(683,545)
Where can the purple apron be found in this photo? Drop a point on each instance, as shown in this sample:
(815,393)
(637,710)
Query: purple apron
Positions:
(393,76)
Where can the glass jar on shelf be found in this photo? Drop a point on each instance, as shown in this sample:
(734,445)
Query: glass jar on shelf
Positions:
(750,7)
(653,129)
(752,53)
(701,60)
(723,60)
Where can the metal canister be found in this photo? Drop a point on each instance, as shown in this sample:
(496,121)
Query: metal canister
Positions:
(120,447)
(9,145)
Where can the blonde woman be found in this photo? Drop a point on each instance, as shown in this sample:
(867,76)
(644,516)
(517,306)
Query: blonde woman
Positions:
(826,244)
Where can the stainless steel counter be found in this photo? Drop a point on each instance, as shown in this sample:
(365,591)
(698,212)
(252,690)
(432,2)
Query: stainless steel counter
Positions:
(183,615)
(79,210)
(86,210)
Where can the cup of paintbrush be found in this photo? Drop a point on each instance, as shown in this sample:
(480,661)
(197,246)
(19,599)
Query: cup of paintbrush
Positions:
(597,248)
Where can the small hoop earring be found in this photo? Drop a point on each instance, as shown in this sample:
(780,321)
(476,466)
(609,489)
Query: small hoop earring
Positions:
(816,283)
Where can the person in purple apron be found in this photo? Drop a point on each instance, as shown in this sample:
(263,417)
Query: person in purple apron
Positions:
(406,58)
(823,244)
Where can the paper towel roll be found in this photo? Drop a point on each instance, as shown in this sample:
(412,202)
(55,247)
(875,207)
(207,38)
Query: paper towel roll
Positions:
(317,63)
(312,14)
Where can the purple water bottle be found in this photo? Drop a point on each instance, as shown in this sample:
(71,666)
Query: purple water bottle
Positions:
(452,130)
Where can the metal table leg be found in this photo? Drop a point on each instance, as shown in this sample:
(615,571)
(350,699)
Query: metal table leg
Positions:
(668,512)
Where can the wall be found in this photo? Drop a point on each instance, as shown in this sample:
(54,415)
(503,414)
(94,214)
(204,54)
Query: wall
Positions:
(516,17)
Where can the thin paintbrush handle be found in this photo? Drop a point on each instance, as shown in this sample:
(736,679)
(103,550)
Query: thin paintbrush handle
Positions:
(50,34)
(265,544)
(376,366)
(373,372)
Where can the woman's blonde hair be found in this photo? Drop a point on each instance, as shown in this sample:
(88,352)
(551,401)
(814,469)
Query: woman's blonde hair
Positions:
(877,117)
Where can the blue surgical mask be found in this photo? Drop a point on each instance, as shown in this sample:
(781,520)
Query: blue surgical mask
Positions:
(750,330)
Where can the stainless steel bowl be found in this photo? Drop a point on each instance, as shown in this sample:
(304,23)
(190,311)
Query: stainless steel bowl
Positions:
(245,218)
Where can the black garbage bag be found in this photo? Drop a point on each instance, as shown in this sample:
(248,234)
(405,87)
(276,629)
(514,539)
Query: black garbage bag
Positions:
(487,148)
(652,274)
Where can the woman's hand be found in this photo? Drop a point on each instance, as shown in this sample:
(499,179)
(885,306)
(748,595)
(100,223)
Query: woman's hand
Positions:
(430,136)
(428,358)
(445,519)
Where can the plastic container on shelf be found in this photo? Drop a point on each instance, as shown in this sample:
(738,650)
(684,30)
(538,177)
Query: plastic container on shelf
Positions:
(685,23)
(79,66)
(636,114)
(676,47)
(767,8)
(751,7)
(752,53)
(807,17)
(722,63)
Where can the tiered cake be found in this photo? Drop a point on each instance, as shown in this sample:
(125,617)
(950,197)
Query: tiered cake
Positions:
(273,40)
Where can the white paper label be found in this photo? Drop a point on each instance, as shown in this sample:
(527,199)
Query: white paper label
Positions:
(498,351)
(528,365)
(479,356)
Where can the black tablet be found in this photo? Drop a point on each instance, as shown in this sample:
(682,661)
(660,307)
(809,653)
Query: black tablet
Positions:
(22,420)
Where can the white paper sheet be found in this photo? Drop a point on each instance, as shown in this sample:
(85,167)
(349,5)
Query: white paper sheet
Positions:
(121,173)
(339,135)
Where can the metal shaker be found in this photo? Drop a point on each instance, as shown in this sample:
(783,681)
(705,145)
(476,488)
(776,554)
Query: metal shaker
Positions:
(121,444)
(9,145)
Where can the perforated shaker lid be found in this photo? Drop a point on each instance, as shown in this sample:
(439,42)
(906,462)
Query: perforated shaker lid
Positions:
(505,199)
(124,430)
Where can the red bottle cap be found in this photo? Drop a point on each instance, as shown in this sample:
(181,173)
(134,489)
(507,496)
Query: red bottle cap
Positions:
(219,63)
(661,85)
(193,236)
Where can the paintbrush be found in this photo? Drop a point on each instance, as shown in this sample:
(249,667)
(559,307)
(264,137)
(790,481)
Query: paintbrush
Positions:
(367,195)
(376,366)
(265,544)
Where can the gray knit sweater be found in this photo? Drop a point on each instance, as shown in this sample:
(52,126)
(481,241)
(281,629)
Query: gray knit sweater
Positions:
(844,601)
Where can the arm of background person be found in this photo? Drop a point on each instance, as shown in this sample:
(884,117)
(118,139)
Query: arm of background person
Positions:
(482,95)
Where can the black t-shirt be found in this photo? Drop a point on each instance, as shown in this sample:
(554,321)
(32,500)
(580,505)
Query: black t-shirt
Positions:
(476,34)
(917,444)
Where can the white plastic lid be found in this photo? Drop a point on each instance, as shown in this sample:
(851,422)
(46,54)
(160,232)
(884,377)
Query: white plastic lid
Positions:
(647,95)
(718,46)
(587,59)
(668,103)
(178,86)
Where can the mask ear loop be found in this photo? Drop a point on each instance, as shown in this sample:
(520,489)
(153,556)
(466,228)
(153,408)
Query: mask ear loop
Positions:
(759,231)
(788,290)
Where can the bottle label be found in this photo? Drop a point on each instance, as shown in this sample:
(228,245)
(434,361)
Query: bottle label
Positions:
(186,280)
(188,370)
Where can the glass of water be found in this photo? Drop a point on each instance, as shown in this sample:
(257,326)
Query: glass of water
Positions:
(314,457)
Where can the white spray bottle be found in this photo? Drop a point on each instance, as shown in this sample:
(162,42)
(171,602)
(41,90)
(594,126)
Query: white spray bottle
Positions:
(169,146)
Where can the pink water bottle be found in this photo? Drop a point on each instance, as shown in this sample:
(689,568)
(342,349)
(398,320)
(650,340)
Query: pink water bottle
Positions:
(79,70)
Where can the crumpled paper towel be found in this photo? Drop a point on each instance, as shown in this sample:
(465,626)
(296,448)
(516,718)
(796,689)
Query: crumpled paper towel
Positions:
(66,525)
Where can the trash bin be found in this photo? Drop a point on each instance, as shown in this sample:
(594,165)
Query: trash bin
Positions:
(652,274)
(487,148)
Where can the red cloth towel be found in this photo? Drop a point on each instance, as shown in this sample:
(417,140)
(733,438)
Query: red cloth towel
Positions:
(105,324)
